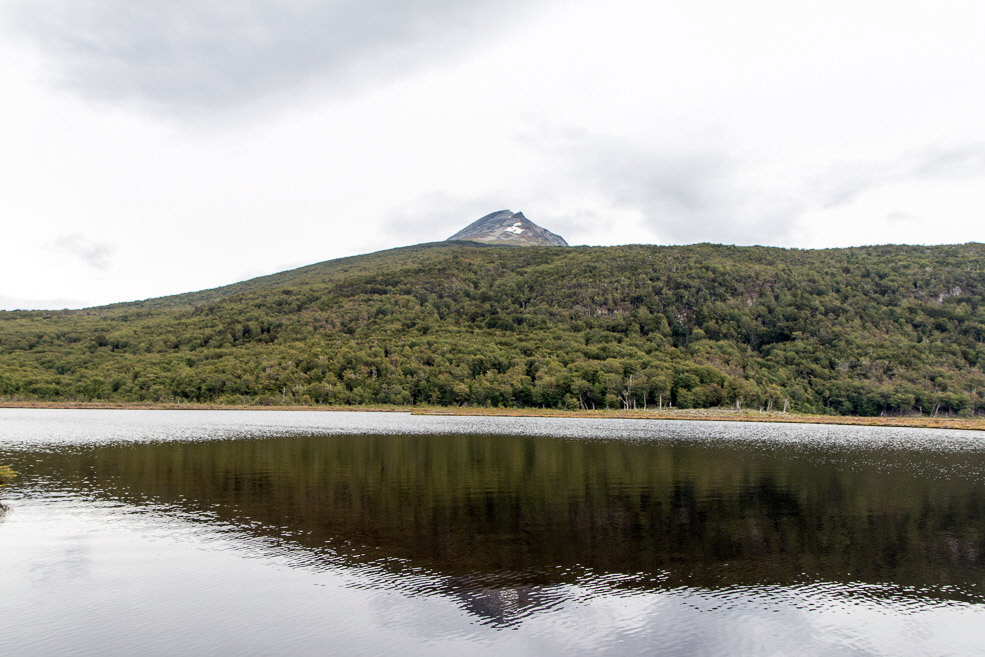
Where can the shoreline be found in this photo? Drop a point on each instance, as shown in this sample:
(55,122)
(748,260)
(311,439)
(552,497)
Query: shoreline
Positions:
(712,414)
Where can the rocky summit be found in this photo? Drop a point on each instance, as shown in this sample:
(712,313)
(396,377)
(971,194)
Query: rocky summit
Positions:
(506,227)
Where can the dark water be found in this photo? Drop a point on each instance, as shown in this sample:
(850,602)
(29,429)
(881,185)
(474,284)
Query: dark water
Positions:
(313,533)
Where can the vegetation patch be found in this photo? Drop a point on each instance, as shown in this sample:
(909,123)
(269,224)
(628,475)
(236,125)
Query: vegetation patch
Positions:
(873,331)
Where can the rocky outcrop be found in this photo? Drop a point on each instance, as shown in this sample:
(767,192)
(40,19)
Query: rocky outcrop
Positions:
(506,227)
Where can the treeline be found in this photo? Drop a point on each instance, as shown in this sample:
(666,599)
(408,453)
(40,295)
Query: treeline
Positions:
(866,331)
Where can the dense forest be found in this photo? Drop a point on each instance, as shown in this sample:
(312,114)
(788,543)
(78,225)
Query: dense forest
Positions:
(866,331)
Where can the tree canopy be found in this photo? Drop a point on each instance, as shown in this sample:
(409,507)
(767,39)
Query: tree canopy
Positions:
(865,331)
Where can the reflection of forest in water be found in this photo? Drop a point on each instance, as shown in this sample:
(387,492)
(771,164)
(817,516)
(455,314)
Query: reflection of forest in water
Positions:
(513,515)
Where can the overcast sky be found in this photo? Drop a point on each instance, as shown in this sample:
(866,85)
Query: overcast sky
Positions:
(150,148)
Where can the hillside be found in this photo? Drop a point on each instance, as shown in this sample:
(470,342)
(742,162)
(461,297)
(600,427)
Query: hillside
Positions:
(871,330)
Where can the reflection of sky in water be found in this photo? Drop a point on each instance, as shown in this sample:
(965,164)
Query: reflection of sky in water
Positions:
(93,569)
(157,585)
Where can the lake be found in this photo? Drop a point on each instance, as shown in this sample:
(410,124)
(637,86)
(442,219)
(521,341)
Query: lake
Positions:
(249,532)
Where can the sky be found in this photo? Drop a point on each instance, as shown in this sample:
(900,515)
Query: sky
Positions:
(152,148)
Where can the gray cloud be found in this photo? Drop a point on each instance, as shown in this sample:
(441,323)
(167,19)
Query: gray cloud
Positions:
(189,56)
(684,197)
(698,196)
(846,181)
(95,254)
(959,162)
(435,217)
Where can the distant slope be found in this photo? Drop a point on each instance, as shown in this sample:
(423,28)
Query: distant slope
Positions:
(338,268)
(888,329)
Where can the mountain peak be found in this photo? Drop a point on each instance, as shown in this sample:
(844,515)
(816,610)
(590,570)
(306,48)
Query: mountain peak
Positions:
(506,227)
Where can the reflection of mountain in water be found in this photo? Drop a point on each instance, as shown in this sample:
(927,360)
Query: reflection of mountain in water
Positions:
(503,604)
(505,522)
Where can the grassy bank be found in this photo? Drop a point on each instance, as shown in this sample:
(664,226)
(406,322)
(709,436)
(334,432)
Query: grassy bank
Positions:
(708,414)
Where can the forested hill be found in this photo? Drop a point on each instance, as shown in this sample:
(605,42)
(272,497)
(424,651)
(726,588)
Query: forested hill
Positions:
(888,329)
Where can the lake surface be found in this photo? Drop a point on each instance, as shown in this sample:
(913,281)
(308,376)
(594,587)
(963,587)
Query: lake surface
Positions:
(229,532)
